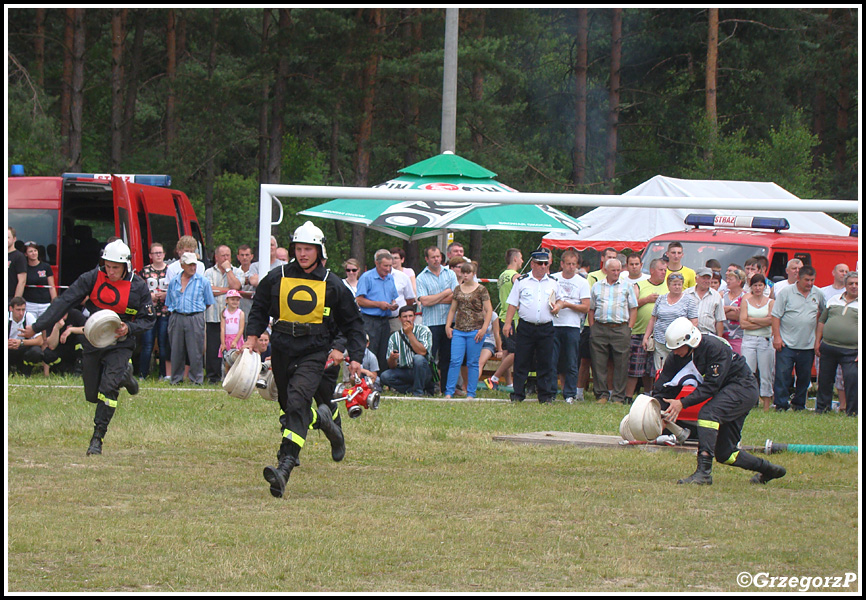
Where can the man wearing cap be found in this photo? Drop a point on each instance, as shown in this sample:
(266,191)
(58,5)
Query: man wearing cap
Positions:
(222,278)
(112,286)
(188,295)
(612,314)
(711,307)
(536,298)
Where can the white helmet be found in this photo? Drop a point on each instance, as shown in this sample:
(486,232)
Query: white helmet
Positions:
(308,234)
(118,252)
(682,332)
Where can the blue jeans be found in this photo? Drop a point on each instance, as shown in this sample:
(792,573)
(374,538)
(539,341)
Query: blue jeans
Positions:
(788,361)
(463,343)
(415,379)
(159,332)
(566,358)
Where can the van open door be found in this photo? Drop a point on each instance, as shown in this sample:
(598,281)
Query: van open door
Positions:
(123,211)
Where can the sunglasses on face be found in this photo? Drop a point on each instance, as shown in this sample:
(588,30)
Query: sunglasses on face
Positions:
(351,270)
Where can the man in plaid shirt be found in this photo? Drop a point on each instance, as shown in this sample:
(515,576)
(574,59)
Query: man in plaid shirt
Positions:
(408,366)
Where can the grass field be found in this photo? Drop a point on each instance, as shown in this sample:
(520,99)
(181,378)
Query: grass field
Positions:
(425,501)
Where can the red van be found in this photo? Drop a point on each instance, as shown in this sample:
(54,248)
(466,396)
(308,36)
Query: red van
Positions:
(72,216)
(731,239)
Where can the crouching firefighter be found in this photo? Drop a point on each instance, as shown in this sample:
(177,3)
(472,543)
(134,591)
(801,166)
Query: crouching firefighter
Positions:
(111,286)
(731,390)
(309,304)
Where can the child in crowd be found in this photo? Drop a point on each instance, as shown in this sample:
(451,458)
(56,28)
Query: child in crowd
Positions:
(232,323)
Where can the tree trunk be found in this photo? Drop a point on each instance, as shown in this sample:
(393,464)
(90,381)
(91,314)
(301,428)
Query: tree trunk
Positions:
(275,156)
(478,18)
(77,98)
(580,72)
(373,19)
(412,40)
(263,107)
(118,16)
(712,70)
(210,175)
(66,85)
(843,96)
(171,74)
(39,47)
(613,114)
(132,81)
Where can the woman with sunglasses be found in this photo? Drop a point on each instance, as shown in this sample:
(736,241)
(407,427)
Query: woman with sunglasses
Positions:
(353,271)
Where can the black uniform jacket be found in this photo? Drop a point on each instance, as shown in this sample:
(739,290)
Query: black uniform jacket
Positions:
(715,360)
(129,298)
(291,295)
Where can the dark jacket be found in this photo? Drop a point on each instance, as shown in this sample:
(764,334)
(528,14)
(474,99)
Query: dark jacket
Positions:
(292,296)
(136,311)
(717,363)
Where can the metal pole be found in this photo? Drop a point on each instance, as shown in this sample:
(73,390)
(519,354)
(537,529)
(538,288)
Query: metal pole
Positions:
(449,83)
(429,196)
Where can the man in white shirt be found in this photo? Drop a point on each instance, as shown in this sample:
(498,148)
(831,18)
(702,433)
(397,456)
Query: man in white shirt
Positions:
(405,296)
(567,324)
(23,353)
(535,297)
(222,278)
(711,308)
(836,288)
(633,273)
(792,270)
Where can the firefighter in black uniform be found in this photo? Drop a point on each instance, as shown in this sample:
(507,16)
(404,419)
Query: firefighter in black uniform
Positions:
(732,391)
(309,304)
(113,286)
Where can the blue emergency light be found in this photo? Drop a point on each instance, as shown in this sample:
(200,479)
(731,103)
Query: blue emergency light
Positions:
(155,180)
(737,221)
(17,171)
(855,230)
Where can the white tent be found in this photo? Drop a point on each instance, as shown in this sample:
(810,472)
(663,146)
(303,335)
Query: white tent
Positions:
(616,227)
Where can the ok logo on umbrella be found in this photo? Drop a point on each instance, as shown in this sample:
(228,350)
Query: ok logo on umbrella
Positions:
(302,300)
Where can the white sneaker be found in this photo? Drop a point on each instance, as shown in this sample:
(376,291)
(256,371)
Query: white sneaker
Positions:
(579,395)
(569,400)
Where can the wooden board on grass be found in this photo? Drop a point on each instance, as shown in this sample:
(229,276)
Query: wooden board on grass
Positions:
(589,440)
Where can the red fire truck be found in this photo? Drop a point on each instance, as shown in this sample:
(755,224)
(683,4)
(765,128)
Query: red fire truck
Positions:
(71,217)
(731,239)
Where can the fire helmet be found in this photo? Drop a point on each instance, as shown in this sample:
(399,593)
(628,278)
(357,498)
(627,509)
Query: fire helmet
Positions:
(308,234)
(682,332)
(118,252)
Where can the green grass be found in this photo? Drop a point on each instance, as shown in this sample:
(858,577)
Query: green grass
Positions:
(425,501)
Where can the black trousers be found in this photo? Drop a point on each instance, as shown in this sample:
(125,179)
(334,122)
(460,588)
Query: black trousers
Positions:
(297,379)
(103,373)
(720,421)
(534,347)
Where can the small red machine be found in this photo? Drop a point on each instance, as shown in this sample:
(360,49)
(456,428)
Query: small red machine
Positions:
(358,396)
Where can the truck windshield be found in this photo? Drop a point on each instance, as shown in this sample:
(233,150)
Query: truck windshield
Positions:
(696,254)
(38,226)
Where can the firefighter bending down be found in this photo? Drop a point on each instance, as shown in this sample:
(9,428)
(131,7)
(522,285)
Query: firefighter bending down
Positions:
(112,286)
(732,391)
(309,304)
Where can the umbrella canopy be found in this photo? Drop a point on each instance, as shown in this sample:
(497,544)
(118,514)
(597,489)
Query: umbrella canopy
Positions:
(446,172)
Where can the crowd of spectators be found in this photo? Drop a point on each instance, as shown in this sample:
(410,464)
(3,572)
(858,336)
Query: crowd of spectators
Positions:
(433,332)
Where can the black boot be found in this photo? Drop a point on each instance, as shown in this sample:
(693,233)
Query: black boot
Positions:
(332,431)
(129,381)
(767,471)
(278,476)
(704,473)
(95,444)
